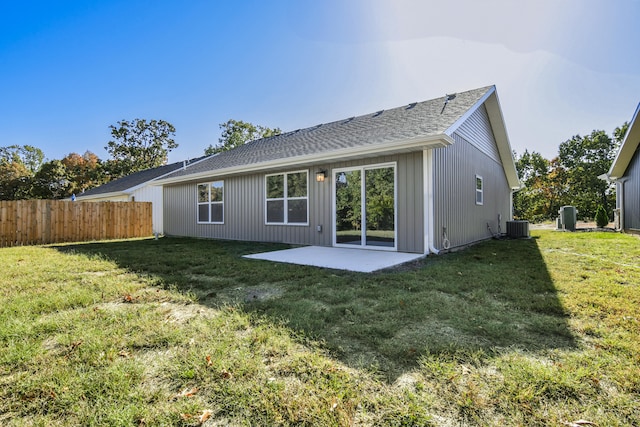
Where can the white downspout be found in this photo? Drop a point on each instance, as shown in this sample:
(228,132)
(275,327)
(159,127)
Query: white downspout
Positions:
(621,188)
(427,171)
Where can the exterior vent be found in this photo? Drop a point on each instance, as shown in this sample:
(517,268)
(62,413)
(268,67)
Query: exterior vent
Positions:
(517,229)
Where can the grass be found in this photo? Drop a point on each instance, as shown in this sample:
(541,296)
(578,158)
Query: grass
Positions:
(172,331)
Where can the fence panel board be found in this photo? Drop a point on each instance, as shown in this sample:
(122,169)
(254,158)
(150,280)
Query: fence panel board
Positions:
(30,222)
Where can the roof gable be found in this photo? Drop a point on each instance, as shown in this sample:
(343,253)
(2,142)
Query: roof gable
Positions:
(627,148)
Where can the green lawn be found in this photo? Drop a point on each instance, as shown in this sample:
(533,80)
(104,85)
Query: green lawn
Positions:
(544,331)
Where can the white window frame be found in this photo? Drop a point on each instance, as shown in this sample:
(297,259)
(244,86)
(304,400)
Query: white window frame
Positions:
(209,202)
(285,199)
(479,191)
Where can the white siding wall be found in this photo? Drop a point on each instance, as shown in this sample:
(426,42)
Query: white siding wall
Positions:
(153,194)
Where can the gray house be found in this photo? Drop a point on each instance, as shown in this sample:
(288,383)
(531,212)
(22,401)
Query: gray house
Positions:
(418,178)
(625,172)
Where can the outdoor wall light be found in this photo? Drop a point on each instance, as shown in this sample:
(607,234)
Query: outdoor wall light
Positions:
(321,176)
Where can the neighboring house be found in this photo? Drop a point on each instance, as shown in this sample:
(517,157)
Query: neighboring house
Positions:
(136,187)
(417,178)
(625,172)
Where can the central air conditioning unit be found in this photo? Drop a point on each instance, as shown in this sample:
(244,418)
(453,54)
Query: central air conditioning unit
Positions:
(517,229)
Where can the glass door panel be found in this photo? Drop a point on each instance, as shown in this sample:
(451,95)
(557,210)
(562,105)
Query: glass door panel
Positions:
(379,189)
(348,186)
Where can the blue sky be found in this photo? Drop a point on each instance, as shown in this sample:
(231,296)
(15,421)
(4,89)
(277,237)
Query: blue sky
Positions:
(69,69)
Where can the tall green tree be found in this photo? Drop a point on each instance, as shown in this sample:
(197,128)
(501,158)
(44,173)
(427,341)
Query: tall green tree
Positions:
(138,145)
(585,158)
(236,133)
(31,157)
(530,202)
(18,164)
(84,171)
(52,181)
(619,133)
(545,189)
(15,180)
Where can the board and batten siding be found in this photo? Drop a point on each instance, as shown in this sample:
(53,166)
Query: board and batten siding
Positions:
(244,207)
(456,213)
(477,131)
(631,194)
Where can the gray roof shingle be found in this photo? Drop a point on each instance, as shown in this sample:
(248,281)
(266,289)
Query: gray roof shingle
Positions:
(133,180)
(420,119)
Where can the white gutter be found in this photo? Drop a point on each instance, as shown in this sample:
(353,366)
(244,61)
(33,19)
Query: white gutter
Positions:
(411,144)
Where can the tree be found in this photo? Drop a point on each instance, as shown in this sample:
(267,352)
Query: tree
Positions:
(585,159)
(602,217)
(138,145)
(236,133)
(15,180)
(541,197)
(18,164)
(619,134)
(30,156)
(84,171)
(51,181)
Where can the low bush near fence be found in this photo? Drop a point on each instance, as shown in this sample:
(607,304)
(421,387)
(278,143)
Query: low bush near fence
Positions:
(29,222)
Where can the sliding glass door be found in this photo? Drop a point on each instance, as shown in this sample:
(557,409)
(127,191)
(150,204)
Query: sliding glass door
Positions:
(365,207)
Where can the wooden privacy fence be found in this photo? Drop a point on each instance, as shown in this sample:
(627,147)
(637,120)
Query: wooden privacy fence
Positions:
(33,222)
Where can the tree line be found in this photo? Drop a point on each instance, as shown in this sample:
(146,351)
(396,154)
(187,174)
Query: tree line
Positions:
(135,145)
(571,178)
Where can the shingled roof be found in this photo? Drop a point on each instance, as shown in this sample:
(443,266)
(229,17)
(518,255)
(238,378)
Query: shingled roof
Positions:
(132,181)
(414,126)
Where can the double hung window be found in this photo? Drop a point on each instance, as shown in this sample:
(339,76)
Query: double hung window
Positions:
(211,202)
(287,200)
(479,190)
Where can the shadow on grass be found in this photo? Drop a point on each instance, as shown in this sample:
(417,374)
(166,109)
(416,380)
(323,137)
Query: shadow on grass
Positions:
(494,295)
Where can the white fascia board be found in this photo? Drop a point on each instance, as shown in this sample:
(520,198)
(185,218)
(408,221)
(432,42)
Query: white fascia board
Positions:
(411,144)
(627,148)
(102,195)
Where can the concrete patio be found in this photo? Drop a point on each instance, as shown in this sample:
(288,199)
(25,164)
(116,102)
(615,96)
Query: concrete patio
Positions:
(361,260)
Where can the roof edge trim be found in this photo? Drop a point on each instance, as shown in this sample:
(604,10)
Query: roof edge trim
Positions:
(436,141)
(627,148)
(102,195)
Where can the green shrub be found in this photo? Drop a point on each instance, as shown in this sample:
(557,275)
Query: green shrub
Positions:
(602,218)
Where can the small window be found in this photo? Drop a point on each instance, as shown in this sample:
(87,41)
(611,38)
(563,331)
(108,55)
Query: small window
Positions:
(287,199)
(479,190)
(211,202)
